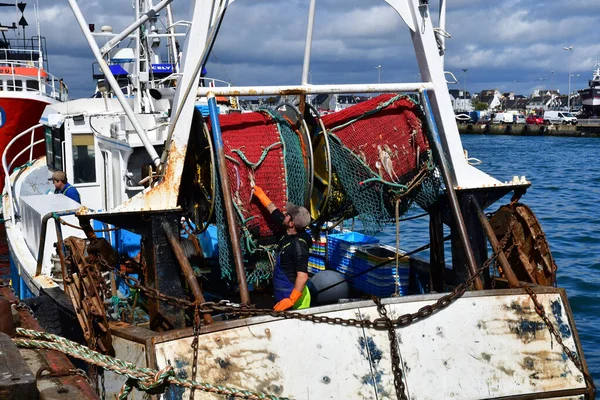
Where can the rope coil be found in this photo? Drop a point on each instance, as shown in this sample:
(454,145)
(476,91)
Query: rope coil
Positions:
(146,379)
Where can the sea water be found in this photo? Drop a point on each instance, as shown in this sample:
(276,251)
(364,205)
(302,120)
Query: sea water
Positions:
(564,195)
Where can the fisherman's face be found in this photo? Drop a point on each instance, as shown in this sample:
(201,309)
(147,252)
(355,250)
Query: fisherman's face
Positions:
(288,221)
(57,184)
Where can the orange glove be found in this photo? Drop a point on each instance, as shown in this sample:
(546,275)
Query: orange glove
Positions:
(289,302)
(261,196)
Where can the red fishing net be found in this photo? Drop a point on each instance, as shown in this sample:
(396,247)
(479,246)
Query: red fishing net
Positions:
(248,136)
(390,141)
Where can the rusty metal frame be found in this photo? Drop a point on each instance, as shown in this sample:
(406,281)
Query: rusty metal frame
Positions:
(57,361)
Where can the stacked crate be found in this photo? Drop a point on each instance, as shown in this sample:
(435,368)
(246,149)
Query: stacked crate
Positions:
(353,253)
(316,260)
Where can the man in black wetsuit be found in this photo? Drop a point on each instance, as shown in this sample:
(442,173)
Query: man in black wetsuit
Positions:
(291,269)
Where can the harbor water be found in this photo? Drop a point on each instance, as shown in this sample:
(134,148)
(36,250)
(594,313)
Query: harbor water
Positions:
(564,196)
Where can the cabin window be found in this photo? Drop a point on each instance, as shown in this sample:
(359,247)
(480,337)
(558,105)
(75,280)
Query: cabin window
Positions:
(84,159)
(10,85)
(32,85)
(54,139)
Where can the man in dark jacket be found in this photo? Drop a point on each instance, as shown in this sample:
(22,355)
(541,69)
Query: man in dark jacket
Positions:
(61,186)
(291,268)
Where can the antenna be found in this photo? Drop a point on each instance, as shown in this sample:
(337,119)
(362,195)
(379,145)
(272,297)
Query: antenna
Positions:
(23,21)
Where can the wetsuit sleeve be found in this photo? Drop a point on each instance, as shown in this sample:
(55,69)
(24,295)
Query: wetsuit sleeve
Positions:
(300,256)
(277,217)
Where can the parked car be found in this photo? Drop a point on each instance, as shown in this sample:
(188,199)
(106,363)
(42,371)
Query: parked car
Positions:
(503,118)
(559,117)
(534,119)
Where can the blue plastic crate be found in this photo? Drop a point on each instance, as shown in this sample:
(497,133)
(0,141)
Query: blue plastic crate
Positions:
(343,245)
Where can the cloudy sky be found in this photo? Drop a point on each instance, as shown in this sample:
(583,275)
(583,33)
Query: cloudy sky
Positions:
(505,44)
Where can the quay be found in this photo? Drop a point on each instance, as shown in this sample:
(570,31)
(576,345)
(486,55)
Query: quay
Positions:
(579,130)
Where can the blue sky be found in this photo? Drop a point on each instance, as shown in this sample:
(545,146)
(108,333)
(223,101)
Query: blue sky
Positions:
(509,45)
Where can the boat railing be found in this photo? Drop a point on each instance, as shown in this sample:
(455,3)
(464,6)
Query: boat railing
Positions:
(28,71)
(213,82)
(7,166)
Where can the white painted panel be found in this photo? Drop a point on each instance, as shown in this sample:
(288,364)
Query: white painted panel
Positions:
(285,358)
(479,347)
(484,347)
(132,352)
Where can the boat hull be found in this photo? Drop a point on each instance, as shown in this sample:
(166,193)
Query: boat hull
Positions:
(590,100)
(487,344)
(17,114)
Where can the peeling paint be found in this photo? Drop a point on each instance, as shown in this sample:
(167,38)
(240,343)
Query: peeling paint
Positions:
(223,363)
(564,329)
(369,350)
(527,329)
(175,392)
(528,363)
(439,331)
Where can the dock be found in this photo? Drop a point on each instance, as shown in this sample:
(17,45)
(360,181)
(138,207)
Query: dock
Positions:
(584,128)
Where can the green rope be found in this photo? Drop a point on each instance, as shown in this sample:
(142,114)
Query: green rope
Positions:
(142,378)
(260,160)
(381,180)
(27,164)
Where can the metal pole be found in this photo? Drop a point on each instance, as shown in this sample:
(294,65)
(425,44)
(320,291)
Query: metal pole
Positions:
(113,83)
(442,18)
(452,198)
(570,50)
(314,89)
(465,90)
(308,43)
(307,47)
(172,41)
(221,166)
(186,268)
(142,20)
(489,232)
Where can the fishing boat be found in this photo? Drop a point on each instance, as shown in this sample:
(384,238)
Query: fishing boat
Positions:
(168,262)
(590,97)
(26,86)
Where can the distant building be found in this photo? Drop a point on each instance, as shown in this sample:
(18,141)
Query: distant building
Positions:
(543,100)
(461,100)
(512,102)
(492,98)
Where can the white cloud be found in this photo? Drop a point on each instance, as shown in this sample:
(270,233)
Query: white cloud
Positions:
(262,41)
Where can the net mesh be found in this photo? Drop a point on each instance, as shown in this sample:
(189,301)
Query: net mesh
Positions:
(260,148)
(380,155)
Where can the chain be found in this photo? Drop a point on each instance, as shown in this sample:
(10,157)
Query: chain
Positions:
(395,354)
(197,325)
(384,322)
(152,293)
(539,308)
(146,379)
